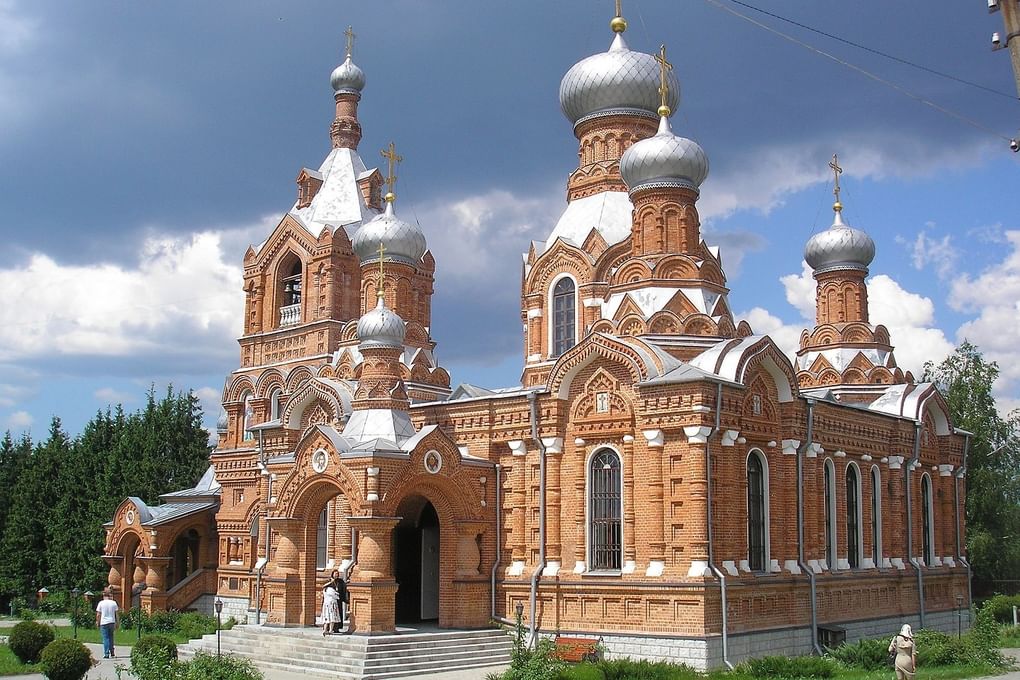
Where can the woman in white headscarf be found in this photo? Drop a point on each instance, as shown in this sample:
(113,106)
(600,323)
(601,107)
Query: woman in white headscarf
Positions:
(906,653)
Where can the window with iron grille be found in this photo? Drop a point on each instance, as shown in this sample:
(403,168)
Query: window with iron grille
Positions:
(830,529)
(876,516)
(605,498)
(853,517)
(564,305)
(928,552)
(755,513)
(322,538)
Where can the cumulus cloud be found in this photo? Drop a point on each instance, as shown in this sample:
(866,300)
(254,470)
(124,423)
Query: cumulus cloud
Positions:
(110,396)
(927,250)
(786,335)
(19,420)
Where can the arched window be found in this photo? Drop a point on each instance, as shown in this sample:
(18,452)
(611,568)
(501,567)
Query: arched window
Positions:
(605,509)
(292,284)
(853,517)
(876,516)
(253,532)
(830,515)
(290,288)
(757,503)
(248,415)
(322,538)
(274,403)
(927,523)
(564,316)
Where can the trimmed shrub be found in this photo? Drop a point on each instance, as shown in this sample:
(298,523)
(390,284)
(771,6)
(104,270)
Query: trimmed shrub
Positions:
(28,639)
(66,659)
(584,671)
(793,667)
(625,669)
(206,667)
(868,655)
(160,643)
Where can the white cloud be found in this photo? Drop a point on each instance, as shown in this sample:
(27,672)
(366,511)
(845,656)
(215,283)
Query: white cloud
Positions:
(19,420)
(763,322)
(12,394)
(800,292)
(17,30)
(925,250)
(110,396)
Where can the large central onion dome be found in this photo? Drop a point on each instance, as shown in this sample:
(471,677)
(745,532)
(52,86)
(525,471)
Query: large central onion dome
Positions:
(381,327)
(347,77)
(839,247)
(617,81)
(402,240)
(664,159)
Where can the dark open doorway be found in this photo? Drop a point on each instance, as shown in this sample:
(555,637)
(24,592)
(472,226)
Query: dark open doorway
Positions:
(416,566)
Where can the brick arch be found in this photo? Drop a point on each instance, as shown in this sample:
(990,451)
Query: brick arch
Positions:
(297,377)
(635,270)
(311,393)
(700,324)
(665,322)
(199,523)
(350,331)
(675,267)
(446,494)
(269,379)
(303,492)
(632,324)
(857,333)
(613,257)
(712,272)
(237,387)
(561,258)
(592,348)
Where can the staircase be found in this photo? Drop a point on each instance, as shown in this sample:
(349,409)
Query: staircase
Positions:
(354,657)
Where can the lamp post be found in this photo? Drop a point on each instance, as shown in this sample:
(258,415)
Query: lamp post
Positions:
(519,609)
(219,622)
(74,619)
(959,616)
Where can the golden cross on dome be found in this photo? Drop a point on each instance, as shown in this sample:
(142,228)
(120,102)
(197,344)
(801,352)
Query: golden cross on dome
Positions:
(664,68)
(382,272)
(350,39)
(619,8)
(390,155)
(836,171)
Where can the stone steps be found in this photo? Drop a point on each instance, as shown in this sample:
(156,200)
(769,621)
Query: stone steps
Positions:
(350,657)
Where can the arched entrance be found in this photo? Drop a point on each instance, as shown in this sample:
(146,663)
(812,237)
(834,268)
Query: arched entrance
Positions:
(183,558)
(326,546)
(416,562)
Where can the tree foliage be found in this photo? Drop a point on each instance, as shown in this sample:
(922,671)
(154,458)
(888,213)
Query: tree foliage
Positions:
(56,495)
(966,379)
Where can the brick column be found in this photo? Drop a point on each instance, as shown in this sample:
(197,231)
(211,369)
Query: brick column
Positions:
(946,546)
(154,596)
(629,539)
(372,587)
(696,509)
(553,456)
(518,503)
(579,472)
(283,586)
(655,523)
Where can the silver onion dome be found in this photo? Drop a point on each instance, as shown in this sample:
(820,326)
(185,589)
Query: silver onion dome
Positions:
(664,159)
(619,80)
(402,240)
(347,77)
(222,422)
(381,327)
(839,247)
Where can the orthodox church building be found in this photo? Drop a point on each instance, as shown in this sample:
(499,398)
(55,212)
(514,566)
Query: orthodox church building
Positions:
(663,478)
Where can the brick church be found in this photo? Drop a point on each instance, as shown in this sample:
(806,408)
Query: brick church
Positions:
(663,478)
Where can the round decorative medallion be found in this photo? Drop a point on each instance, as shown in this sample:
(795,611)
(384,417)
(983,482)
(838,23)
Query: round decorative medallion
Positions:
(129,516)
(320,459)
(433,462)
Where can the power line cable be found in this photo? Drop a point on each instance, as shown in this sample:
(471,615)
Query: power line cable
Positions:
(880,53)
(865,72)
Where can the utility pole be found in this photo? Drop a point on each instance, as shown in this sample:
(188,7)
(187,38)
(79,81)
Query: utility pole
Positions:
(1011,20)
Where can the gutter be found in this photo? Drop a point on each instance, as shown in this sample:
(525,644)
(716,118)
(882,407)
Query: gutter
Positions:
(499,543)
(962,474)
(711,562)
(535,575)
(259,568)
(801,450)
(914,458)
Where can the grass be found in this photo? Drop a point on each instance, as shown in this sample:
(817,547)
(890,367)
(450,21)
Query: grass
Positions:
(9,664)
(1009,637)
(940,673)
(121,638)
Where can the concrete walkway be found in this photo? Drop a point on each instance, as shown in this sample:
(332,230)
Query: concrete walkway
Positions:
(107,670)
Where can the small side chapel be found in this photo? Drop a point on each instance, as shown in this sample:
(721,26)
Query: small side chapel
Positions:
(663,478)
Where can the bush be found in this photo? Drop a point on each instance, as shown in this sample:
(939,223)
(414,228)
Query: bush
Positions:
(55,603)
(625,669)
(28,639)
(153,664)
(162,622)
(195,625)
(206,667)
(66,659)
(793,667)
(1000,607)
(868,655)
(85,618)
(160,643)
(584,671)
(133,618)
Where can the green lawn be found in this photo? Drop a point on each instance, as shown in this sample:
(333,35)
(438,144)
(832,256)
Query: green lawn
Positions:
(9,664)
(121,638)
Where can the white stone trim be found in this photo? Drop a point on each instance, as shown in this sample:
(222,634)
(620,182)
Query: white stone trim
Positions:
(628,438)
(517,447)
(792,567)
(655,568)
(699,569)
(790,446)
(839,453)
(946,470)
(655,437)
(697,434)
(551,569)
(729,437)
(897,562)
(553,444)
(516,568)
(730,567)
(591,302)
(535,313)
(629,567)
(895,462)
(580,567)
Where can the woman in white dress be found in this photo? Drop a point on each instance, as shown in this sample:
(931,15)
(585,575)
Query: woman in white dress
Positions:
(330,609)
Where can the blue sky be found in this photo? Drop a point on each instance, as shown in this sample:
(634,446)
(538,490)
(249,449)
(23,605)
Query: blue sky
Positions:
(145,145)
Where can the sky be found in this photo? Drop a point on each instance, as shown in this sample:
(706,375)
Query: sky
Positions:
(143,146)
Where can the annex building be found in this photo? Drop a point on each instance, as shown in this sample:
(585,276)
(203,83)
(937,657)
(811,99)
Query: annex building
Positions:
(662,478)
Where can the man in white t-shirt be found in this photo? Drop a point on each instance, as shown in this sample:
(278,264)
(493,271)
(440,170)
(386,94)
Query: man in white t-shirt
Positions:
(106,619)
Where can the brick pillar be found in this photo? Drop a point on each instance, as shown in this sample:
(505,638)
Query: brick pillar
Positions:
(154,596)
(629,544)
(283,585)
(115,579)
(373,588)
(654,524)
(518,503)
(553,457)
(579,473)
(695,472)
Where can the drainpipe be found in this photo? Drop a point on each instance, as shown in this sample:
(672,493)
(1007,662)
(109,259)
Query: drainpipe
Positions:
(499,541)
(711,558)
(535,575)
(258,573)
(801,450)
(910,524)
(962,474)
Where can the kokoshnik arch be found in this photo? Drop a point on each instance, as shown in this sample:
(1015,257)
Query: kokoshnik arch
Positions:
(662,478)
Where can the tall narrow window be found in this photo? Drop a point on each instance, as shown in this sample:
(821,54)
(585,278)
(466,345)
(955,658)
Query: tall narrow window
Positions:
(876,516)
(254,533)
(927,542)
(274,403)
(564,315)
(292,285)
(756,513)
(605,509)
(830,512)
(248,416)
(853,517)
(322,538)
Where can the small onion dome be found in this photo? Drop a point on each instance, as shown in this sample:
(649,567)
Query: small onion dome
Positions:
(617,81)
(221,423)
(347,77)
(839,247)
(664,159)
(403,241)
(381,327)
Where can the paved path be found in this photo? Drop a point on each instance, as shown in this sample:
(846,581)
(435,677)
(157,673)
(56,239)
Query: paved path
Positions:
(11,623)
(106,670)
